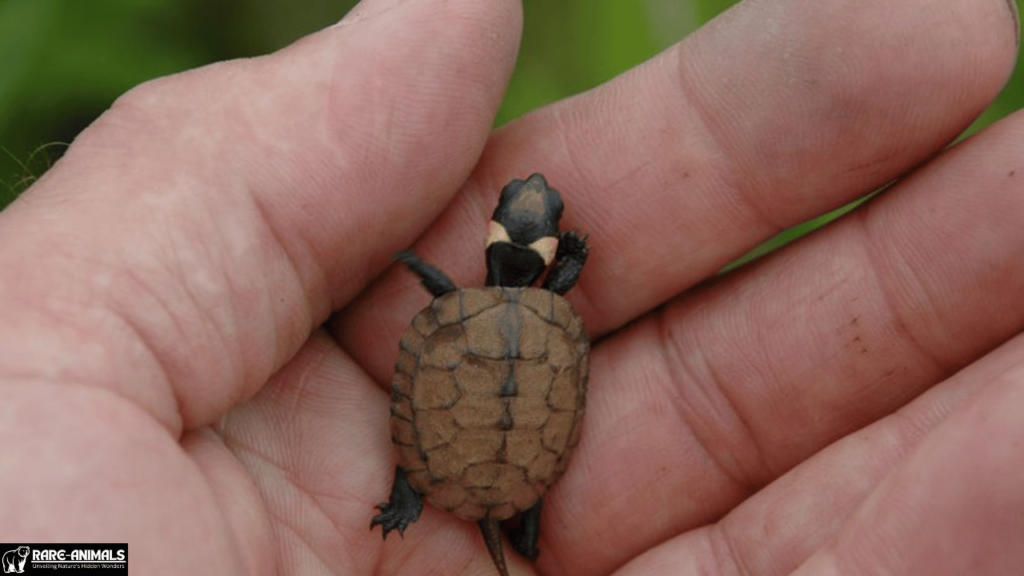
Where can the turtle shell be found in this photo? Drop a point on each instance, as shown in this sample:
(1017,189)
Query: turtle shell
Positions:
(488,398)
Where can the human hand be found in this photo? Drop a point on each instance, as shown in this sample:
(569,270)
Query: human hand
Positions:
(162,386)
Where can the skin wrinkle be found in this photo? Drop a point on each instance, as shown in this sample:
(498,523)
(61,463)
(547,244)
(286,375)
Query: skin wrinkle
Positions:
(826,366)
(175,421)
(891,513)
(680,373)
(729,560)
(703,101)
(303,252)
(887,291)
(216,339)
(253,459)
(648,486)
(195,295)
(316,283)
(729,172)
(976,227)
(908,286)
(233,489)
(71,314)
(205,446)
(301,256)
(760,470)
(752,376)
(288,529)
(91,419)
(889,459)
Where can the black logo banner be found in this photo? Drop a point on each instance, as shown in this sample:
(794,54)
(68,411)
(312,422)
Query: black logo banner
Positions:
(38,558)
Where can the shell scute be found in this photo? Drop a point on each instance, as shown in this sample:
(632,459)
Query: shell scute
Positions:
(445,348)
(556,431)
(528,412)
(475,300)
(487,333)
(448,308)
(402,433)
(435,428)
(425,323)
(541,303)
(565,317)
(435,388)
(522,447)
(448,462)
(544,468)
(532,378)
(478,412)
(565,391)
(477,377)
(534,338)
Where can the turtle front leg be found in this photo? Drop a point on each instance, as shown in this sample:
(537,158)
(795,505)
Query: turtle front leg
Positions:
(569,261)
(402,509)
(524,537)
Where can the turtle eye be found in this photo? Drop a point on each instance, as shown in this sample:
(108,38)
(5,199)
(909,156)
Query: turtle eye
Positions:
(546,247)
(497,233)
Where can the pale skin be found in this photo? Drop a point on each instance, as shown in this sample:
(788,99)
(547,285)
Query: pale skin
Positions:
(853,404)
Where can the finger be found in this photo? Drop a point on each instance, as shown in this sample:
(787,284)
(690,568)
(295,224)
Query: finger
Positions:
(188,241)
(720,393)
(954,507)
(780,527)
(776,112)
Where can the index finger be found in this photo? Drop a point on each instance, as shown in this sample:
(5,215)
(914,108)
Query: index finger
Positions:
(772,114)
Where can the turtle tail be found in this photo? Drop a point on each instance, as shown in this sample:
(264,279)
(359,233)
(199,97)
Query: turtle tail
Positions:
(491,531)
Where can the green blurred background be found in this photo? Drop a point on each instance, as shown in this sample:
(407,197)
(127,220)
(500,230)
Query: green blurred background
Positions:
(64,61)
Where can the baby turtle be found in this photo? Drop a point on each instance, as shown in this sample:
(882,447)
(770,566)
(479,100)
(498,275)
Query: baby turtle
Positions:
(490,383)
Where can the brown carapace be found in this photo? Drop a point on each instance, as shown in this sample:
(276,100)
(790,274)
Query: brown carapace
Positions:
(490,384)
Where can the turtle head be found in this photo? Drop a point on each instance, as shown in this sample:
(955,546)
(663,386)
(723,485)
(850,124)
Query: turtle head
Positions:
(523,236)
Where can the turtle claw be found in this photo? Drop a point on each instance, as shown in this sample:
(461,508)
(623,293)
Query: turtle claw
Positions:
(403,509)
(393,518)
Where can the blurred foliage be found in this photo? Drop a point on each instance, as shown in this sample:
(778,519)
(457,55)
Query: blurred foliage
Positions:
(65,61)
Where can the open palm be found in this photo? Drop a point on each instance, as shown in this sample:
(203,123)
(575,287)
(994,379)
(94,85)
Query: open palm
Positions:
(852,404)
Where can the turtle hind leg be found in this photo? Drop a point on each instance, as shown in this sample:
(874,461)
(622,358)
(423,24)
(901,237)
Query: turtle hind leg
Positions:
(491,530)
(523,537)
(569,261)
(435,281)
(402,509)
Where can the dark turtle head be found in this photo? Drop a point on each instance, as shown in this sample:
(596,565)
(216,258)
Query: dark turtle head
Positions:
(523,235)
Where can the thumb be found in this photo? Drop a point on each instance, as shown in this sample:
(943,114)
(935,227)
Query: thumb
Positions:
(189,240)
